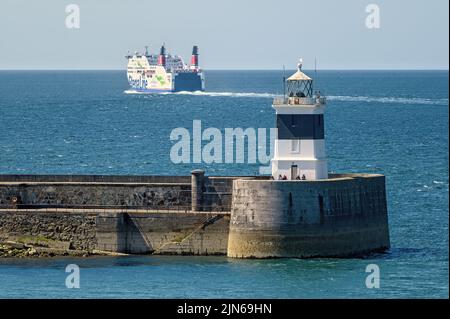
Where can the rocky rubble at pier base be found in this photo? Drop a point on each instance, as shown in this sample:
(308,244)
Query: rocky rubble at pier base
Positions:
(20,250)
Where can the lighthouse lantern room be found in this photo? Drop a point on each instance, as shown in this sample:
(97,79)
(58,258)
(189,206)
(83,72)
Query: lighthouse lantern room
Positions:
(299,152)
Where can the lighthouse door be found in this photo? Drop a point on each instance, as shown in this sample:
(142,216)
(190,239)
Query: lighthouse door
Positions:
(294,172)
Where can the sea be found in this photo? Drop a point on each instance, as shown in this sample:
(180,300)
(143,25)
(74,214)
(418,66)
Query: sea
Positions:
(90,122)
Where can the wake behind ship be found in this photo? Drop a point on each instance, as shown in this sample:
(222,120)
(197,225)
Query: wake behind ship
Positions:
(152,73)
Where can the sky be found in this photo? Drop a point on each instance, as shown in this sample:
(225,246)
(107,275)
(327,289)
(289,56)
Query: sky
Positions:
(231,34)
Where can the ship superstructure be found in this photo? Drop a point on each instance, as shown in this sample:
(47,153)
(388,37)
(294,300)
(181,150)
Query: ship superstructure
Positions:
(163,72)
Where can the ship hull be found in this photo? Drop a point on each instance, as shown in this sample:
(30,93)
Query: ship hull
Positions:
(182,82)
(188,82)
(142,90)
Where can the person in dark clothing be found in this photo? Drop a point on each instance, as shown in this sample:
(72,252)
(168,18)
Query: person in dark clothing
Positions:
(303,177)
(284,178)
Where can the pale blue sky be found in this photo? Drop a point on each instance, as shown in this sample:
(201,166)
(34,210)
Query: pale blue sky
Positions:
(231,34)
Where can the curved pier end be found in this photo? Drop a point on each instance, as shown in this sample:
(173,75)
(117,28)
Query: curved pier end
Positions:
(344,215)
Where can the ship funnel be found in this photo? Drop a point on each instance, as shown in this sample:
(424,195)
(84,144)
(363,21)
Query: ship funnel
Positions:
(194,58)
(162,56)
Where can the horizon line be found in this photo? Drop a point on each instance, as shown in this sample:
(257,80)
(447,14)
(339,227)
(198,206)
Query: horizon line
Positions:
(213,69)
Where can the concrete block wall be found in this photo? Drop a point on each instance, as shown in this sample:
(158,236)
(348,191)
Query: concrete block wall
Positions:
(111,232)
(218,191)
(163,233)
(214,193)
(341,216)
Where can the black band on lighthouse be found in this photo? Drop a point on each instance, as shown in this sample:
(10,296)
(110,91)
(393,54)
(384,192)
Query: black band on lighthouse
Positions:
(300,126)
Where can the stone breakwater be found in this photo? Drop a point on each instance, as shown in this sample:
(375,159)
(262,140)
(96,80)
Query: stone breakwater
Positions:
(243,217)
(20,250)
(59,230)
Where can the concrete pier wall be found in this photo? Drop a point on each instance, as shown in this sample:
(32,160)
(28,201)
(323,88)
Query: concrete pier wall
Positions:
(147,179)
(131,232)
(95,194)
(218,191)
(164,233)
(341,216)
(344,215)
(126,214)
(204,193)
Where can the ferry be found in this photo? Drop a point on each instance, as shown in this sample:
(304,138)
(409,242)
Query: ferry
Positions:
(158,73)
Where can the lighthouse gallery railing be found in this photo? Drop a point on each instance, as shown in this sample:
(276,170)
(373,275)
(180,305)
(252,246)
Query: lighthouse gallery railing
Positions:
(299,100)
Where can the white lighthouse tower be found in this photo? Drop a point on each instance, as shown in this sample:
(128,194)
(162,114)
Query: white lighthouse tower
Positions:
(300,145)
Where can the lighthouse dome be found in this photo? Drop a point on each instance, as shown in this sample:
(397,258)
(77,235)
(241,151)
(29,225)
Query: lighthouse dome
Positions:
(299,76)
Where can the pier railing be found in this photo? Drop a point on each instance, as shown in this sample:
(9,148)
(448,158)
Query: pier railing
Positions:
(95,209)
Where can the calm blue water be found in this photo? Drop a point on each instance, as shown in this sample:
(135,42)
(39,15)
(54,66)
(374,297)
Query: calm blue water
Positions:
(394,123)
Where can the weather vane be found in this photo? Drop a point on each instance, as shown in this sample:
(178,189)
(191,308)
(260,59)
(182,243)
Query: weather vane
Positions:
(300,64)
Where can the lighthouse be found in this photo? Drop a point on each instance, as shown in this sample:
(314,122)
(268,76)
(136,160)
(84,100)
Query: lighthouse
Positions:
(308,213)
(299,152)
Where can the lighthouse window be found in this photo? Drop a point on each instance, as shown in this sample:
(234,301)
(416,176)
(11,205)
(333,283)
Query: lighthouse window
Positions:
(295,146)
